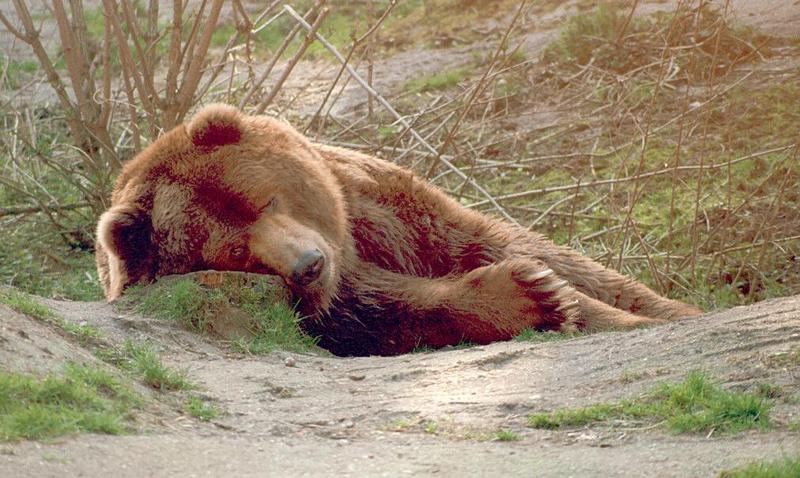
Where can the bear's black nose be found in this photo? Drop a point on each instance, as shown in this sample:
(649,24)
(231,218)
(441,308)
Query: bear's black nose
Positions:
(308,267)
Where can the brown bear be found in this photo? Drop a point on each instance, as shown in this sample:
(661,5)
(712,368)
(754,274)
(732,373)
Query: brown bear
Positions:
(380,260)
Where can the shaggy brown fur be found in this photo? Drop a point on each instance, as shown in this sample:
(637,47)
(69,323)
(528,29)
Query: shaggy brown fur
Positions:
(403,265)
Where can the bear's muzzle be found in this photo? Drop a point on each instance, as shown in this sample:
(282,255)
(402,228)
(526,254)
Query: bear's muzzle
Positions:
(308,267)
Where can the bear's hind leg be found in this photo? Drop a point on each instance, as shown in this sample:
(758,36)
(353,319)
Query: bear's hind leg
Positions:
(531,295)
(388,313)
(609,286)
(598,316)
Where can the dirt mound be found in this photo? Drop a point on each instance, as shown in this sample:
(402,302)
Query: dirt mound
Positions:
(437,412)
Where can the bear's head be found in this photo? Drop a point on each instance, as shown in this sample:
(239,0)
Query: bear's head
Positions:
(229,192)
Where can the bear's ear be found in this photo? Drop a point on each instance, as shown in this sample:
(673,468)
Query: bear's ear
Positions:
(123,234)
(215,125)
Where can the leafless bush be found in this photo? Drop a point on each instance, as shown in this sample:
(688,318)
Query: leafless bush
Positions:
(120,88)
(577,141)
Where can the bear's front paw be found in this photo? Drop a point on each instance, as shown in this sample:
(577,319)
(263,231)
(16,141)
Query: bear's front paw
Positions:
(527,293)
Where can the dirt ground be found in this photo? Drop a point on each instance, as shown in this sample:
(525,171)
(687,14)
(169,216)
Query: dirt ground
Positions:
(370,416)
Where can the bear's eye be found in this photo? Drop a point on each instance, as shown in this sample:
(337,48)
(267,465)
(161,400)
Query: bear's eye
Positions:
(271,205)
(237,252)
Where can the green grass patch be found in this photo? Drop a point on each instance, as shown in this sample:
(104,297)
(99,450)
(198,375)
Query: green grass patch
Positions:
(388,132)
(506,435)
(769,390)
(339,27)
(592,35)
(431,428)
(82,399)
(28,305)
(182,300)
(221,35)
(144,361)
(533,335)
(606,37)
(439,23)
(755,118)
(31,259)
(425,349)
(345,21)
(784,468)
(276,329)
(575,418)
(83,333)
(402,425)
(437,81)
(95,19)
(16,71)
(273,326)
(201,409)
(695,405)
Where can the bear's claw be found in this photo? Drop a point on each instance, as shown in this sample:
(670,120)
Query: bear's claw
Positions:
(537,276)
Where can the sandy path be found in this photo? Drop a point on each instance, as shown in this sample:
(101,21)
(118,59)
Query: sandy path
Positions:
(368,416)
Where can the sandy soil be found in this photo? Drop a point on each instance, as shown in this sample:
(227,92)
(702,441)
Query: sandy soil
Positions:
(369,416)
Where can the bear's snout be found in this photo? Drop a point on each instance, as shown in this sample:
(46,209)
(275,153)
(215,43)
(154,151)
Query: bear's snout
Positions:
(308,267)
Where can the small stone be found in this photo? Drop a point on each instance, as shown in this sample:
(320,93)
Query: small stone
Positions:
(357,377)
(289,362)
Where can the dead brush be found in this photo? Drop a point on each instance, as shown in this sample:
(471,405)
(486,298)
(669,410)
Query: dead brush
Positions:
(631,161)
(638,139)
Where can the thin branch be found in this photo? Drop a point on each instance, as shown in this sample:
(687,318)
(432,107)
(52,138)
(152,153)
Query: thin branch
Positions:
(287,70)
(194,72)
(605,182)
(399,117)
(53,207)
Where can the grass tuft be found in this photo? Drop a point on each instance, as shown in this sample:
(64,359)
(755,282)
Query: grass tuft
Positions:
(274,324)
(506,435)
(574,418)
(276,328)
(201,409)
(695,405)
(182,300)
(533,335)
(784,468)
(437,81)
(143,360)
(28,305)
(14,72)
(83,399)
(606,38)
(431,428)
